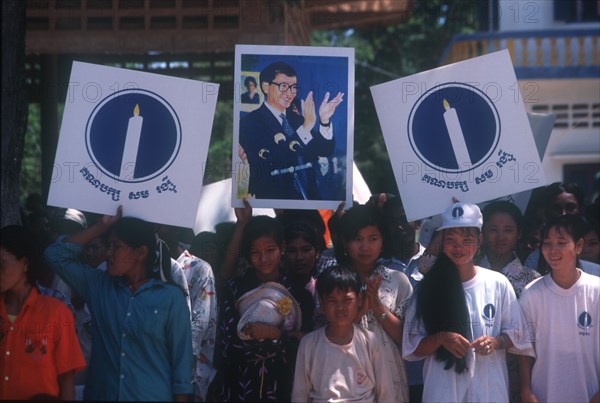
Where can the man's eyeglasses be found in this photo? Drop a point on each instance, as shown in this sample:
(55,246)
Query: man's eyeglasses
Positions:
(283,87)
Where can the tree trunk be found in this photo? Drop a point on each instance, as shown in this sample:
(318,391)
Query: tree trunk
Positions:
(14,108)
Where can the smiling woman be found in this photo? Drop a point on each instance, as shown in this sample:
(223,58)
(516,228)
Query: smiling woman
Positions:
(568,299)
(463,319)
(387,291)
(260,316)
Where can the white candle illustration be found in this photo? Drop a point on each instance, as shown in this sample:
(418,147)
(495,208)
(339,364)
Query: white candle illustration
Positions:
(456,137)
(132,141)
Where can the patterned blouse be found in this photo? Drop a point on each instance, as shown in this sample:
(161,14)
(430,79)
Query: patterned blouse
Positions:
(518,275)
(256,370)
(203,299)
(394,293)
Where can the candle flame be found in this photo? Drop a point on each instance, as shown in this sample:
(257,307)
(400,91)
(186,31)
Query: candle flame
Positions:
(136,110)
(446,105)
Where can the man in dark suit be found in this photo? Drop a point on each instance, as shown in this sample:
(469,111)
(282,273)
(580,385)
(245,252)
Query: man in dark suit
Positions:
(281,143)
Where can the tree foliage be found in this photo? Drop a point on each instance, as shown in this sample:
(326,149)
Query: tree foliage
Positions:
(31,175)
(14,108)
(384,53)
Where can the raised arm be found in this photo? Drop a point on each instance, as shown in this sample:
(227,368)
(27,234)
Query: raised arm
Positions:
(99,228)
(232,254)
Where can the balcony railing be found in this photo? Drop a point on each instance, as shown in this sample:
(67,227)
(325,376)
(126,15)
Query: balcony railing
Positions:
(535,54)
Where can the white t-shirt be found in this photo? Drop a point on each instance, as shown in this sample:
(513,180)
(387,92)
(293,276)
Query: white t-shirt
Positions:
(355,372)
(494,310)
(566,333)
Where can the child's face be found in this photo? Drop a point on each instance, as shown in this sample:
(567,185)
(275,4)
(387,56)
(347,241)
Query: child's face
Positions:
(340,306)
(265,256)
(461,244)
(300,256)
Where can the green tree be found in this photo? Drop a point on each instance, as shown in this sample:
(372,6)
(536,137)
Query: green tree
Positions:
(218,161)
(385,53)
(31,175)
(14,108)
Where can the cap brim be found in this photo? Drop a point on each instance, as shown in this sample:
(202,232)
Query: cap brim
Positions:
(457,226)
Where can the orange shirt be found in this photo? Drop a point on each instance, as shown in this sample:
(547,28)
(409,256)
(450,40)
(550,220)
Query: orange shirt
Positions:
(37,347)
(326,215)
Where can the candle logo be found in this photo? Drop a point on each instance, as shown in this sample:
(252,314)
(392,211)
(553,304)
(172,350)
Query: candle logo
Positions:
(489,312)
(132,140)
(133,135)
(454,128)
(584,321)
(456,136)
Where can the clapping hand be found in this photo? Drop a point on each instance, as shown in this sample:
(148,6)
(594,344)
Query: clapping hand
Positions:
(327,107)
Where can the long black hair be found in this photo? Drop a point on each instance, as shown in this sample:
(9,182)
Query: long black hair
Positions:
(442,307)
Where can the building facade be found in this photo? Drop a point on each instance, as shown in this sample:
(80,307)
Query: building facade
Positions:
(555,50)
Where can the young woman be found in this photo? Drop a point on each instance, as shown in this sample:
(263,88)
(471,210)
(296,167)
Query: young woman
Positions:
(142,342)
(39,347)
(558,199)
(302,248)
(463,318)
(387,291)
(564,306)
(258,358)
(502,226)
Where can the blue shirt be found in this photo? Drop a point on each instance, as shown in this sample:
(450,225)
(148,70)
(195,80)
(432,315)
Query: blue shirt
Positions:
(410,268)
(142,342)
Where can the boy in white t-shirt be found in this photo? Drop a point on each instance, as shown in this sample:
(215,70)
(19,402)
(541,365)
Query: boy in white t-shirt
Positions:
(341,361)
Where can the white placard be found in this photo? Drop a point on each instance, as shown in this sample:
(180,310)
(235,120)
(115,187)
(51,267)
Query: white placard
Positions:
(458,131)
(215,202)
(134,139)
(296,163)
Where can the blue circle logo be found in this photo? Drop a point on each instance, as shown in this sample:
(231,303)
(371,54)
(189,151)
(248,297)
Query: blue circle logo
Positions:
(489,311)
(454,127)
(584,321)
(133,135)
(457,212)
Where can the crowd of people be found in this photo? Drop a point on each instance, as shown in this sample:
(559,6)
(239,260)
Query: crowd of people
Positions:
(495,305)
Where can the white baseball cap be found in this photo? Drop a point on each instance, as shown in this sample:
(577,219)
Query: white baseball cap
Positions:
(461,215)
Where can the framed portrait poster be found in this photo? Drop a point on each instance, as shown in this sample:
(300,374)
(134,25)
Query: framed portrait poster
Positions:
(293,126)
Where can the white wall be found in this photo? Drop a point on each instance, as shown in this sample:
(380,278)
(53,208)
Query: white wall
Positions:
(572,145)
